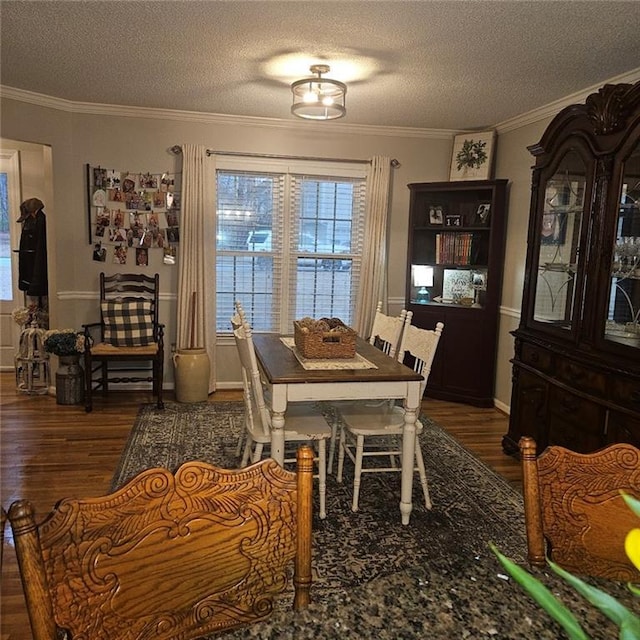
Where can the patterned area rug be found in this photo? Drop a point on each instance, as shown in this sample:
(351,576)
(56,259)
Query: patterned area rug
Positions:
(472,504)
(373,577)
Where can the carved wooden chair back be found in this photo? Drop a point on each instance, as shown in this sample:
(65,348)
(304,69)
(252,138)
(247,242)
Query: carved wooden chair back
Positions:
(574,511)
(418,349)
(3,522)
(386,331)
(168,555)
(129,331)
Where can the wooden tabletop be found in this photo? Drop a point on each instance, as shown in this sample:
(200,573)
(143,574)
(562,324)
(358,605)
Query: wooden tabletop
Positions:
(282,367)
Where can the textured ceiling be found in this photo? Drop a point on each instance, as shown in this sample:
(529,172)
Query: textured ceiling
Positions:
(428,64)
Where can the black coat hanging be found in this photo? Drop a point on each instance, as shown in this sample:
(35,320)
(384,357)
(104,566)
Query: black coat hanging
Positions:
(32,254)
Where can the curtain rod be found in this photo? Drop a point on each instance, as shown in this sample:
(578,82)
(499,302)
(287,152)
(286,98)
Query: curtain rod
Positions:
(210,152)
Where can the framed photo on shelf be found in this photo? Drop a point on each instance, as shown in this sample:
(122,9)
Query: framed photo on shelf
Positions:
(453,221)
(483,213)
(472,157)
(479,280)
(435,215)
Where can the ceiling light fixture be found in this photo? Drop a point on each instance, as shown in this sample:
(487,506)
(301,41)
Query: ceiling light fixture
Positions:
(318,98)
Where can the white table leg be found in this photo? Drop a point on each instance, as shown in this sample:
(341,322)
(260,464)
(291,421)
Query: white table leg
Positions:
(278,408)
(277,437)
(411,404)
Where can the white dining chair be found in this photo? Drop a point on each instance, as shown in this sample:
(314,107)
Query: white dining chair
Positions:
(386,332)
(236,323)
(376,431)
(304,422)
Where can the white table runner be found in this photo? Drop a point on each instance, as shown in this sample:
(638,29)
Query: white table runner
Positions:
(359,362)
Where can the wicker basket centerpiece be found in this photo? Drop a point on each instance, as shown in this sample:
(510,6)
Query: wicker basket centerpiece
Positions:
(324,338)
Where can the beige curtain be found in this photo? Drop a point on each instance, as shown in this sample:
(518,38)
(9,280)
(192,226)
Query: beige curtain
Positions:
(373,280)
(196,255)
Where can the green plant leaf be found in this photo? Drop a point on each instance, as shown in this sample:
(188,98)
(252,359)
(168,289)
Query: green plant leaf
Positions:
(543,597)
(628,622)
(632,503)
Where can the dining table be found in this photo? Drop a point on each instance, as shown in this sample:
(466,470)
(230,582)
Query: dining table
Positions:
(370,375)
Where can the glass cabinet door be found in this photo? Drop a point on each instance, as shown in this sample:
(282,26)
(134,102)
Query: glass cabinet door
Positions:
(624,290)
(559,225)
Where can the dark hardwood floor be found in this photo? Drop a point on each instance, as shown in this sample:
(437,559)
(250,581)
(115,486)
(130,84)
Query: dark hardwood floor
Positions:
(50,451)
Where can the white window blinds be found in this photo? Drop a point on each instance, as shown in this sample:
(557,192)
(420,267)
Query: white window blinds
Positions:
(325,246)
(289,244)
(250,213)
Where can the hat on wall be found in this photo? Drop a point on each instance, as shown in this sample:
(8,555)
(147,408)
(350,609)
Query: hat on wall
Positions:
(32,205)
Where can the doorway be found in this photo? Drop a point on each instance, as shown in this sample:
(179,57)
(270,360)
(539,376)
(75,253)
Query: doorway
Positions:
(27,170)
(10,296)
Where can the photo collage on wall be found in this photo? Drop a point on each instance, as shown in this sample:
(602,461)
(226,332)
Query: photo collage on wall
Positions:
(131,214)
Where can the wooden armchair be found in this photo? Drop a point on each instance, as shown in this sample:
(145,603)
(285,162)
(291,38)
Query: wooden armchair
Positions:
(168,556)
(574,506)
(128,335)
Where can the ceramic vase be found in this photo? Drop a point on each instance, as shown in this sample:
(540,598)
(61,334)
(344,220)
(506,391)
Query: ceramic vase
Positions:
(192,369)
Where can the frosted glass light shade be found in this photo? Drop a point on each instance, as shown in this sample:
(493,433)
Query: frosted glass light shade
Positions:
(318,98)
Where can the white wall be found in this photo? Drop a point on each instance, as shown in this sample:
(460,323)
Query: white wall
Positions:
(513,161)
(139,141)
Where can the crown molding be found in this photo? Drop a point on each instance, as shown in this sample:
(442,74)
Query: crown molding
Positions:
(548,111)
(91,108)
(545,112)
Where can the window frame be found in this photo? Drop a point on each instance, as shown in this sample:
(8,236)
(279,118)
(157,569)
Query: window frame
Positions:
(285,254)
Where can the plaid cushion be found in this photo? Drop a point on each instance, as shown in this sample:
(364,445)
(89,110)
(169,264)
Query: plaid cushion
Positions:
(127,323)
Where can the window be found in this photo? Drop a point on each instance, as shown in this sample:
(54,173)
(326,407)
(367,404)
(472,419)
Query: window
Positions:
(289,243)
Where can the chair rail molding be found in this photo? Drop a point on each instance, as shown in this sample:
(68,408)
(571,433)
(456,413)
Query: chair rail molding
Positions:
(94,295)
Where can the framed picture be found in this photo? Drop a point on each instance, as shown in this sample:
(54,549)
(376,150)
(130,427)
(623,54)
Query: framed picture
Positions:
(129,207)
(479,280)
(554,228)
(453,221)
(483,212)
(436,215)
(472,157)
(457,286)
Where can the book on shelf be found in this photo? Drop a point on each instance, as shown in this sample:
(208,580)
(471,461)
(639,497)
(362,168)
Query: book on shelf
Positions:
(456,248)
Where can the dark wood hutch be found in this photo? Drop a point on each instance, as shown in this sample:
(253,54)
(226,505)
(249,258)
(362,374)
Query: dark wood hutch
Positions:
(576,370)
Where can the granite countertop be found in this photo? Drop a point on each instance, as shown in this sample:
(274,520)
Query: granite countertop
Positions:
(453,597)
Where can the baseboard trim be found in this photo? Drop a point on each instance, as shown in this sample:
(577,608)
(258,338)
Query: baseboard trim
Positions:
(501,406)
(229,385)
